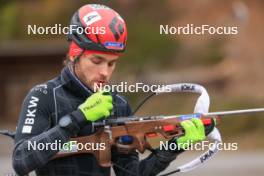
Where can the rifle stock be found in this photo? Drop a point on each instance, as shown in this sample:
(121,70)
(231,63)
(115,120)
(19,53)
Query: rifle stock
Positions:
(139,130)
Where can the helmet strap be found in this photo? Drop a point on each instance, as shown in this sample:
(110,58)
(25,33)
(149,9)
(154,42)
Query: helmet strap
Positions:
(75,60)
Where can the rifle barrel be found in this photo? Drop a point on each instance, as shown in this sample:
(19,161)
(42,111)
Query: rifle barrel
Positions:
(123,120)
(234,112)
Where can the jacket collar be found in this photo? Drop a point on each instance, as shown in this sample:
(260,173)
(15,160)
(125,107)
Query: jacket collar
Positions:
(70,80)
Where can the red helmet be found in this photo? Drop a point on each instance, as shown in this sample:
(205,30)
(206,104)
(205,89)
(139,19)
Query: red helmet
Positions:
(98,27)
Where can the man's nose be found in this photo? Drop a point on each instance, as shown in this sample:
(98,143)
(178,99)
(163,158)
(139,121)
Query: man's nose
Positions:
(104,70)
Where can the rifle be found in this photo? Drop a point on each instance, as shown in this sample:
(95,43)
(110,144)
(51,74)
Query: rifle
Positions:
(110,130)
(139,128)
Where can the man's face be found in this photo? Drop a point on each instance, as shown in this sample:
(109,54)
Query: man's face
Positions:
(95,69)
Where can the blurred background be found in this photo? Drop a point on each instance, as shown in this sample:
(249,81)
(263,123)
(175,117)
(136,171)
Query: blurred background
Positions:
(229,66)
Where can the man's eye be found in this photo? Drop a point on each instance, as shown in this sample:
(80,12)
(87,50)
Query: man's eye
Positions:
(96,60)
(111,64)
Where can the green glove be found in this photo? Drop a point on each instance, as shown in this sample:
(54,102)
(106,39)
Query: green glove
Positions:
(194,132)
(97,106)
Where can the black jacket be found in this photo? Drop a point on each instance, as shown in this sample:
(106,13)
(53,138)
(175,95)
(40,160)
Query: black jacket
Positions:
(42,108)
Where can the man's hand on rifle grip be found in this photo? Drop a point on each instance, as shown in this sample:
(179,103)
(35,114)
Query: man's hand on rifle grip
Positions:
(195,130)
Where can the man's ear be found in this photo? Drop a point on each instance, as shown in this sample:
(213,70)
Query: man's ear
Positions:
(71,58)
